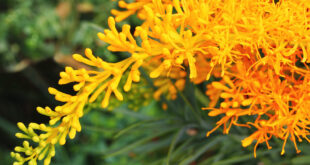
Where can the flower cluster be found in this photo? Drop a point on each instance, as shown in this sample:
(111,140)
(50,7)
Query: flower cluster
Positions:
(257,48)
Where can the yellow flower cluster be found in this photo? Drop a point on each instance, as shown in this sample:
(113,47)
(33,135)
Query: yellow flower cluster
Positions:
(259,49)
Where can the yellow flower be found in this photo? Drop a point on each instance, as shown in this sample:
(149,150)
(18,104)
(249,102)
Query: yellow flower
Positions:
(64,119)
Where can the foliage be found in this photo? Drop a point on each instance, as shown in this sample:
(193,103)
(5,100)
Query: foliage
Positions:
(37,29)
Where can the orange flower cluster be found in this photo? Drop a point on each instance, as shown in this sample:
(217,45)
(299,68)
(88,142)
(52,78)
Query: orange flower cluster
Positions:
(259,48)
(277,104)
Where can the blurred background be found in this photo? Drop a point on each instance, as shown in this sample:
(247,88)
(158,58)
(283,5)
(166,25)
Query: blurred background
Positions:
(37,39)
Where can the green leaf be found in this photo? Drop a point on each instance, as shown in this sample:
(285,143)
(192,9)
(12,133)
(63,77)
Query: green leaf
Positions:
(301,160)
(95,26)
(133,126)
(201,97)
(208,160)
(132,113)
(8,127)
(173,143)
(184,146)
(237,159)
(153,146)
(138,143)
(203,149)
(98,129)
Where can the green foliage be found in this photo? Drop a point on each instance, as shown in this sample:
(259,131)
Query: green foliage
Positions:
(33,30)
(27,25)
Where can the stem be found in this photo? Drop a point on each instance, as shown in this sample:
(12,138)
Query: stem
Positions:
(201,97)
(190,106)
